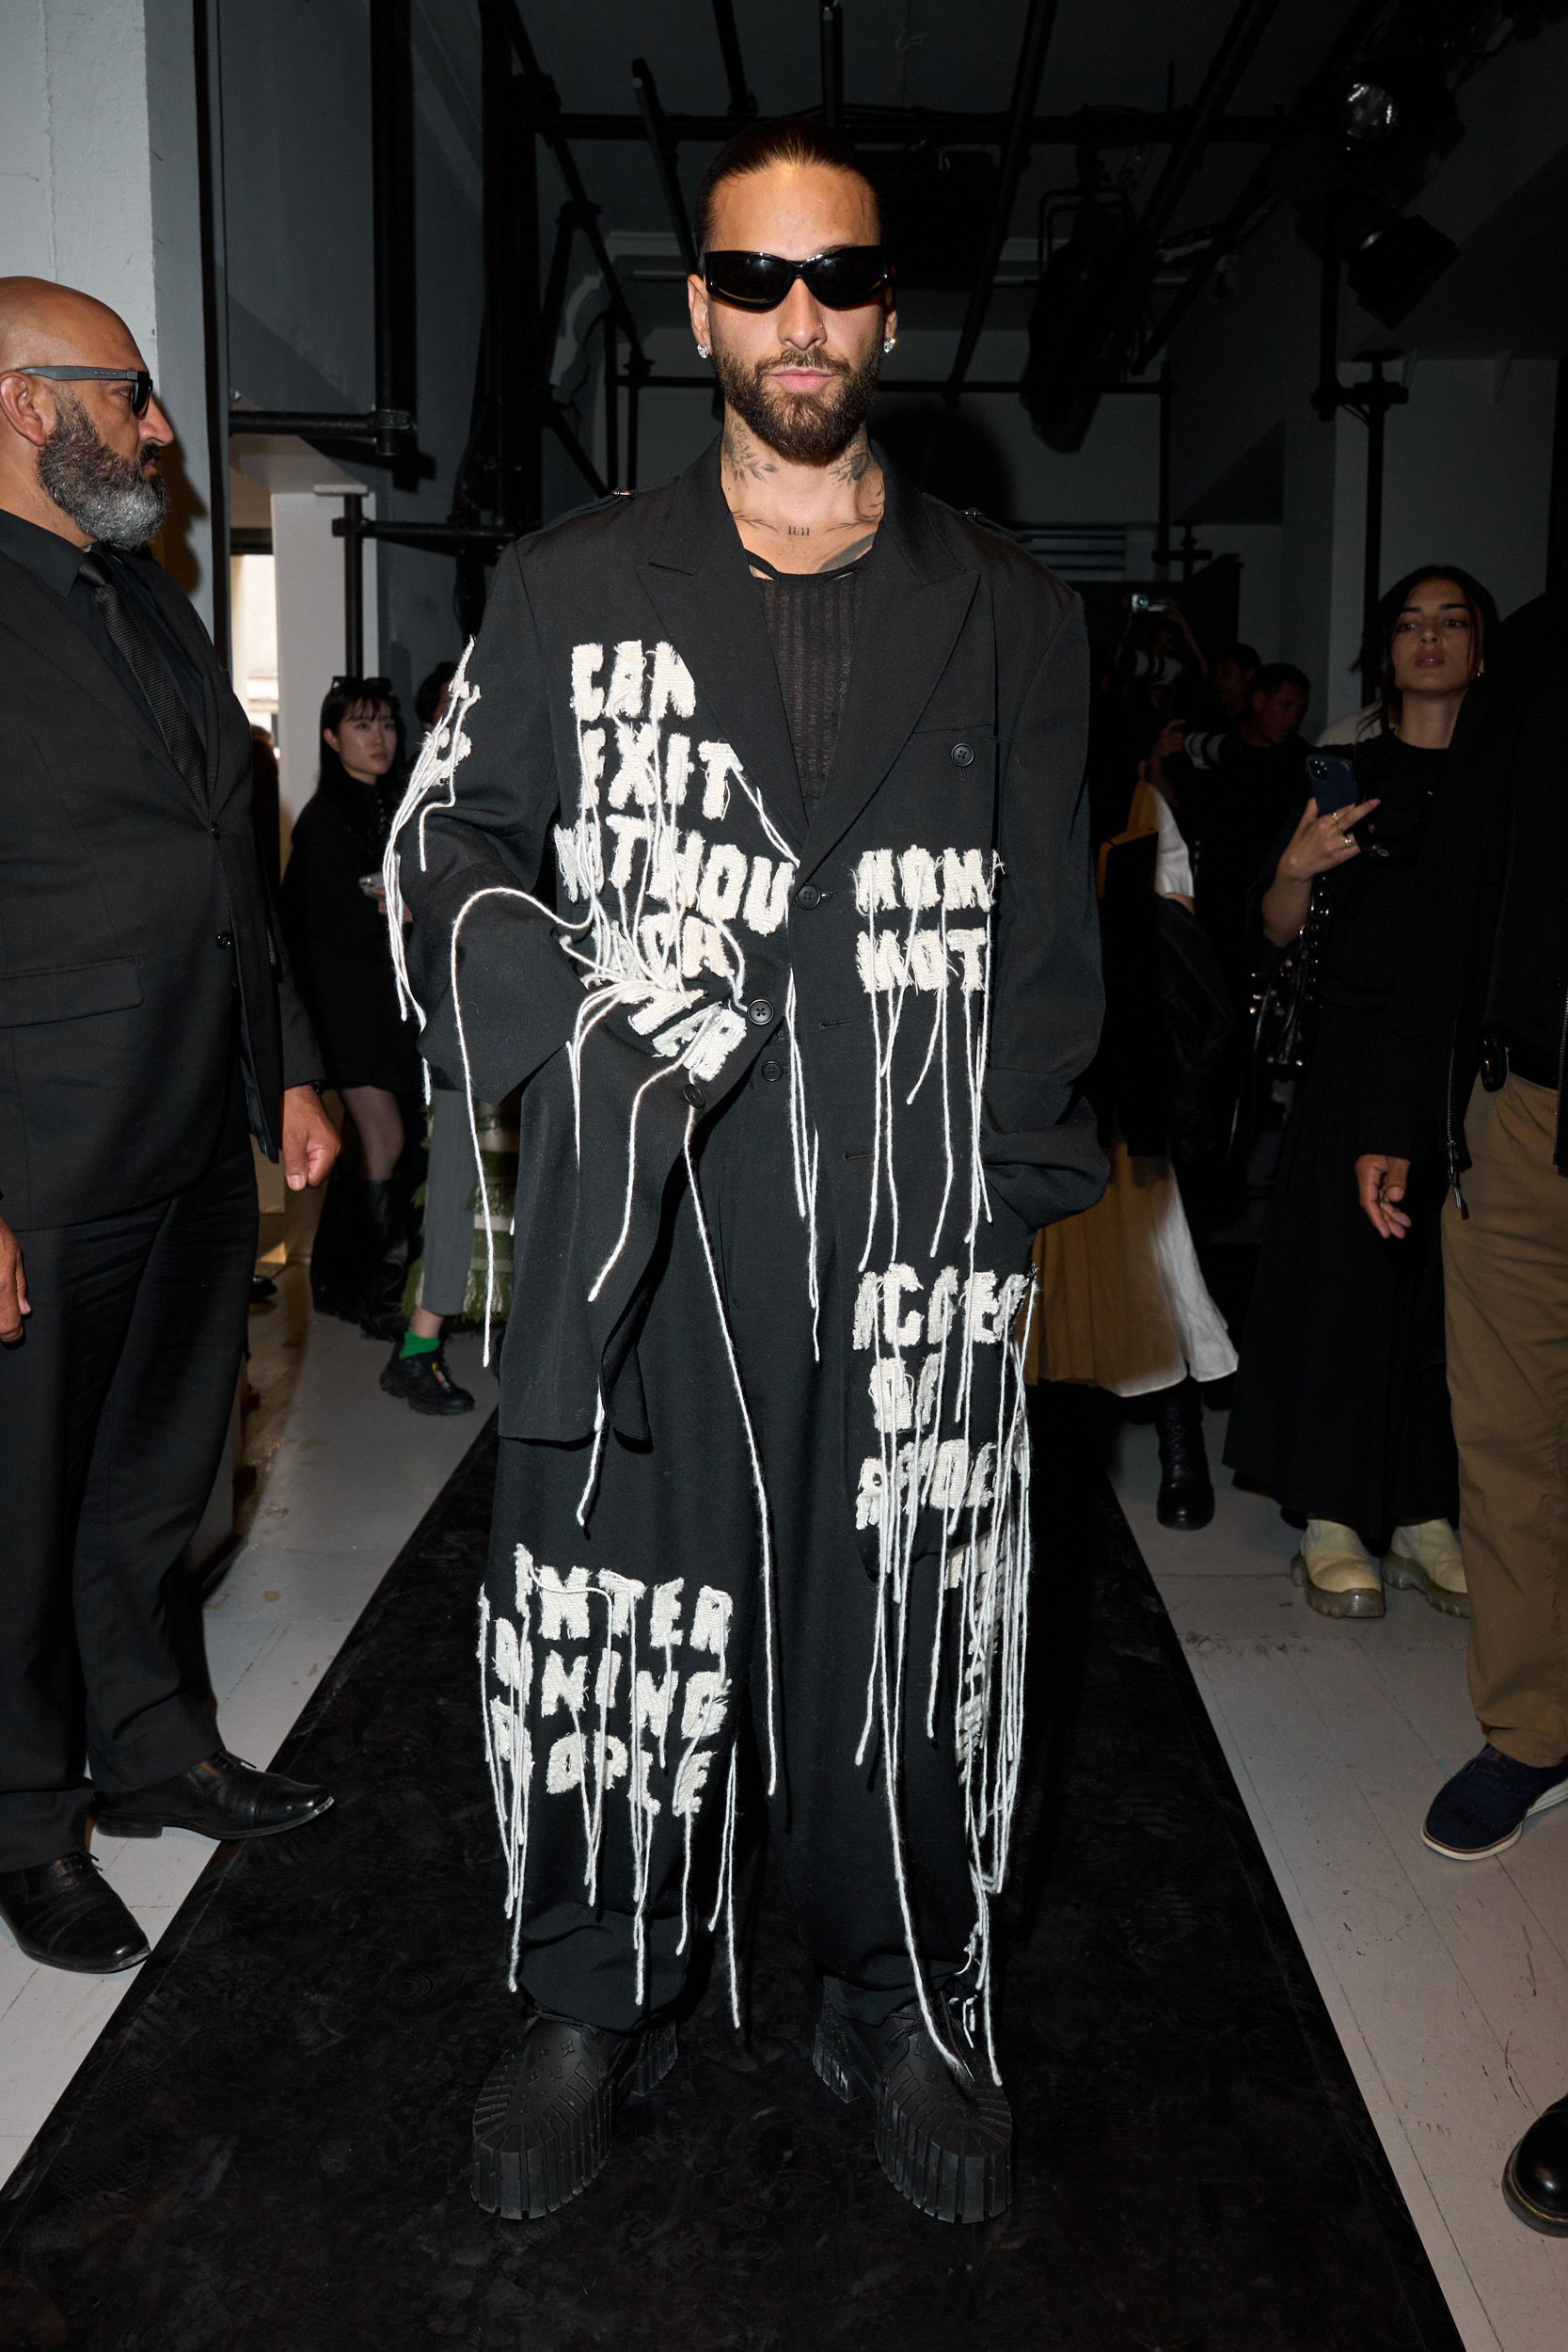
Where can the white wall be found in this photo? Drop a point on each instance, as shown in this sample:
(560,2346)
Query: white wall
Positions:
(311,641)
(98,190)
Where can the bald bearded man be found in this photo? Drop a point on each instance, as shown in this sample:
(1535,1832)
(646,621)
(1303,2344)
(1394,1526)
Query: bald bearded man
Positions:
(148,1029)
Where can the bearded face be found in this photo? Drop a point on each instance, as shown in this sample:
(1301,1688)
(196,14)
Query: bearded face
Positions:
(803,428)
(109,496)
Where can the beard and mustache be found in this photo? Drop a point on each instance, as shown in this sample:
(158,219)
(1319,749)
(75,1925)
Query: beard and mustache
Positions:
(105,495)
(805,428)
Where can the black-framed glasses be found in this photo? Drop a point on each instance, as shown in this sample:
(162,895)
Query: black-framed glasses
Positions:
(137,378)
(842,279)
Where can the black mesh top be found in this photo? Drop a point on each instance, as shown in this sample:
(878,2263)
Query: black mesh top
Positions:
(811,619)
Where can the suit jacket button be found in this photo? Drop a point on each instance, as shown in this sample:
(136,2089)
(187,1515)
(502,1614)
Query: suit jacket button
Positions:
(760,1010)
(691,1092)
(226,939)
(216,831)
(771,1072)
(808,895)
(962,756)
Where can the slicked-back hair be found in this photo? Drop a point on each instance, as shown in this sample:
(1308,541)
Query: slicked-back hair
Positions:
(790,139)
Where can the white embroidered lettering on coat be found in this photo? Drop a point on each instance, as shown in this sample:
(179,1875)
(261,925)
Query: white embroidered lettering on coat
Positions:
(661,1005)
(917,879)
(678,769)
(979,1483)
(704,1039)
(672,875)
(509,1666)
(896,1281)
(710,1620)
(881,969)
(629,832)
(928,965)
(587,698)
(892,1396)
(562,1604)
(980,1309)
(874,884)
(607,1680)
(723,882)
(702,950)
(767,900)
(864,1330)
(949,1474)
(969,945)
(590,766)
(625,698)
(703,1708)
(719,765)
(638,774)
(691,1781)
(562,1685)
(564,1772)
(868,1499)
(653,1701)
(926,1397)
(625,1593)
(664,1630)
(671,688)
(945,1298)
(963,880)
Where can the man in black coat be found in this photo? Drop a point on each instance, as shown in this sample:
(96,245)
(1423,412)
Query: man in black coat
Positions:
(148,1028)
(800,1023)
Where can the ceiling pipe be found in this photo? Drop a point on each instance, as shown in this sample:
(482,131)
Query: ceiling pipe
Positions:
(1015,154)
(832,26)
(1235,53)
(664,158)
(742,104)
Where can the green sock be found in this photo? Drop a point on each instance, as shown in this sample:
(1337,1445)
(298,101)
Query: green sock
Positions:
(414,1346)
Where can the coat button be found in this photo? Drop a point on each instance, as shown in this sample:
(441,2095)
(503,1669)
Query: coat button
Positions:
(759,1011)
(693,1094)
(216,831)
(771,1072)
(226,939)
(962,755)
(808,895)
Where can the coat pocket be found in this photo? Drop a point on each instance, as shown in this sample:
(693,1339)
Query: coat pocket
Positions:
(27,998)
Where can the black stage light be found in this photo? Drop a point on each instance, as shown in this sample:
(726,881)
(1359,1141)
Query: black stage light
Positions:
(1391,258)
(1369,116)
(1083,324)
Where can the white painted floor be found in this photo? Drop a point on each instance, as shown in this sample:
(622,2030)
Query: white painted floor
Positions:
(1448,1982)
(344,1476)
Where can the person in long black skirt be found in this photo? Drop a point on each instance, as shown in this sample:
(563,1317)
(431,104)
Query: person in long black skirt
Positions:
(1341,1400)
(336,913)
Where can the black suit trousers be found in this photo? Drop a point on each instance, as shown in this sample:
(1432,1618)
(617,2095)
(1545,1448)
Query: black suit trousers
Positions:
(112,1413)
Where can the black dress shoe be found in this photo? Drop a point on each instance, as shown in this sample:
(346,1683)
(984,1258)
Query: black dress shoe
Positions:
(67,1914)
(220,1797)
(1186,1498)
(424,1383)
(1535,2180)
(542,2121)
(944,2139)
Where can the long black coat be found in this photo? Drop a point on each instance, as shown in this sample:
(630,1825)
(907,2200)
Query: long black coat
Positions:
(338,942)
(928,939)
(134,921)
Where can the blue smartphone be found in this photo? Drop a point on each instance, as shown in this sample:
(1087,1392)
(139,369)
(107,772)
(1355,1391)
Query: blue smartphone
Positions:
(1332,777)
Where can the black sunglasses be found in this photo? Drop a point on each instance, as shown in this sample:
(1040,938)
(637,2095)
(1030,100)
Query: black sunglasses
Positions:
(137,378)
(843,280)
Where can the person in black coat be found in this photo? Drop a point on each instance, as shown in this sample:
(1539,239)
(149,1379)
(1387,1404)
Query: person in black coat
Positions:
(1339,1402)
(800,1019)
(148,1028)
(335,909)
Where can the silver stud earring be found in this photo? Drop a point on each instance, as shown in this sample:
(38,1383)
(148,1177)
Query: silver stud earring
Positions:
(702,351)
(888,341)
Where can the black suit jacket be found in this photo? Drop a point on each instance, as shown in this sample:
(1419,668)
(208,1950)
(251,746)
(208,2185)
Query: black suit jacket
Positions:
(138,940)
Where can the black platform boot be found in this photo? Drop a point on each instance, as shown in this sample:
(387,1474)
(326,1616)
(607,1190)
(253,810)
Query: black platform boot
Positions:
(943,2138)
(544,2120)
(1186,1491)
(381,1315)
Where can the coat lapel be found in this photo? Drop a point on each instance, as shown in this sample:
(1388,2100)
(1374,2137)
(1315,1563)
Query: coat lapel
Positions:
(33,616)
(917,596)
(183,620)
(708,601)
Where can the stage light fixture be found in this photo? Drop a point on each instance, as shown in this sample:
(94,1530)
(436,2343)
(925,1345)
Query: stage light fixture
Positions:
(1391,258)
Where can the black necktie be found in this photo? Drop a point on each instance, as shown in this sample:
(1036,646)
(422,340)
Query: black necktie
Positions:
(136,641)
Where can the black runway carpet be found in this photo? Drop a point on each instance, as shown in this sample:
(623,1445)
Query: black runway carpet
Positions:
(268,2149)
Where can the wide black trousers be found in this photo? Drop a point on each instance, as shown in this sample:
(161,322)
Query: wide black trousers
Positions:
(683,1506)
(113,1412)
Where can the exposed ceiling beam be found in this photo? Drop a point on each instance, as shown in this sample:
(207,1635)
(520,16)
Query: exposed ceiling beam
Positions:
(742,104)
(664,161)
(1235,53)
(1038,30)
(543,107)
(871,126)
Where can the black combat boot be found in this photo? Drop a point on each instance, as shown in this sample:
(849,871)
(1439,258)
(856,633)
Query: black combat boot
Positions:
(544,2120)
(1186,1498)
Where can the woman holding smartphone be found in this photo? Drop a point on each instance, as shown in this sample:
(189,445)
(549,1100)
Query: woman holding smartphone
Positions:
(1340,1401)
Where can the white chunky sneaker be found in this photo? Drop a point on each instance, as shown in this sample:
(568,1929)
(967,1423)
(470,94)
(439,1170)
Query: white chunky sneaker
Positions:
(1426,1559)
(1337,1572)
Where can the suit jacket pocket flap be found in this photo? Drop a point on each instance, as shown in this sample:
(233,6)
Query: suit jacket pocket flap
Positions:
(67,993)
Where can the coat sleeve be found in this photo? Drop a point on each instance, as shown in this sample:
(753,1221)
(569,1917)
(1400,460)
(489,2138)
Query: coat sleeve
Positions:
(1041,1153)
(484,960)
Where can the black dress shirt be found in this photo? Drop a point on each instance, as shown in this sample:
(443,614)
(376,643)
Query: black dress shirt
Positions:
(1530,977)
(56,565)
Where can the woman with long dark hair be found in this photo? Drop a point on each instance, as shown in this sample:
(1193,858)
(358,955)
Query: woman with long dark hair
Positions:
(1341,1400)
(336,915)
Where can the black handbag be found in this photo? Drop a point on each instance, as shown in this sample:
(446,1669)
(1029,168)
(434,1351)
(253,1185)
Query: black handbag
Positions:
(1284,1018)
